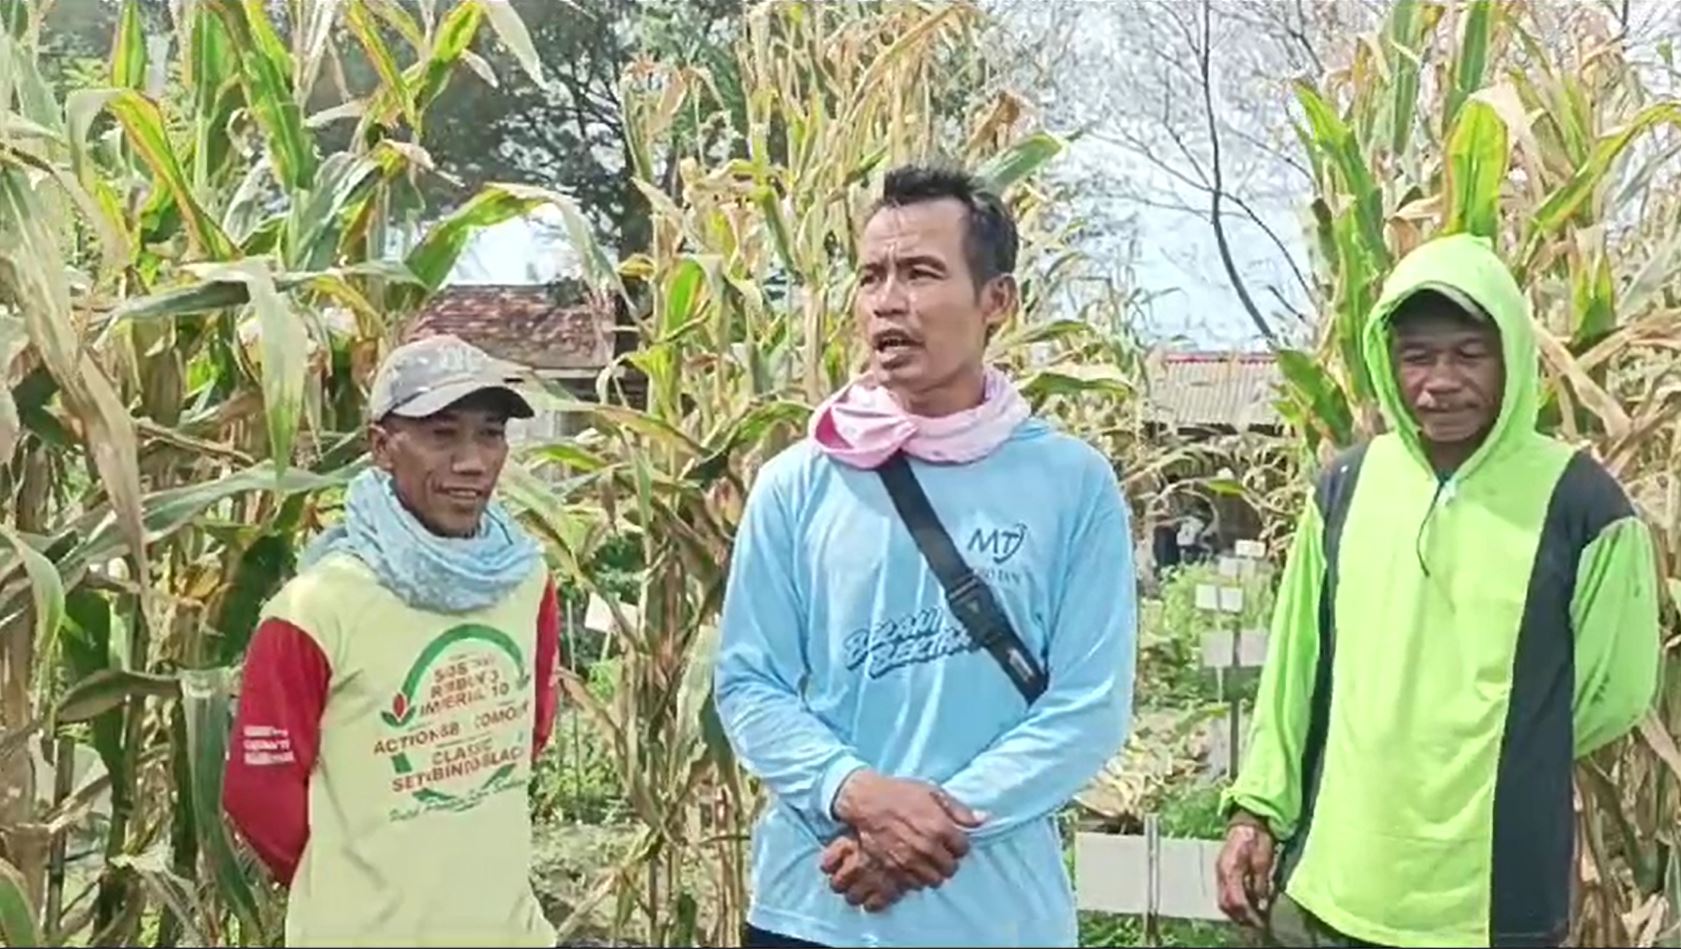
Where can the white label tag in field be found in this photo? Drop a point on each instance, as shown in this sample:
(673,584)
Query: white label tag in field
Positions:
(1229,567)
(1208,597)
(1113,875)
(1252,549)
(1217,649)
(1231,599)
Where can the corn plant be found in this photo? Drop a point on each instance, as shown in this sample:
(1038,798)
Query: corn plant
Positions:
(1532,125)
(193,293)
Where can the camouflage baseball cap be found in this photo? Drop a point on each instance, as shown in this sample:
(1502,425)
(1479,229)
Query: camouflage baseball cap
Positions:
(428,375)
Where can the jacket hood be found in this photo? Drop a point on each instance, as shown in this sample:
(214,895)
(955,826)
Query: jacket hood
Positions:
(1464,268)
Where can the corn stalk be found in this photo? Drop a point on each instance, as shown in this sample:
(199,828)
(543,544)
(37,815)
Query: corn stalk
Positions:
(192,297)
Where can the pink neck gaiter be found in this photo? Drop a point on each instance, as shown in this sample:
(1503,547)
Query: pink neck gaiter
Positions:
(862,425)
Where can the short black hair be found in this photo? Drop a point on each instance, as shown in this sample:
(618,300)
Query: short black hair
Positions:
(989,232)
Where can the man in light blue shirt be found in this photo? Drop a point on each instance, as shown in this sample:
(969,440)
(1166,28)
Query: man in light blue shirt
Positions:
(914,775)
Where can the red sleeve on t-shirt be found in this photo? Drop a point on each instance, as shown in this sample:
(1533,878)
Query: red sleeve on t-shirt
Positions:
(276,735)
(548,670)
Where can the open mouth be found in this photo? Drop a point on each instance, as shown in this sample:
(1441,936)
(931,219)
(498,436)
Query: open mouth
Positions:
(464,495)
(893,341)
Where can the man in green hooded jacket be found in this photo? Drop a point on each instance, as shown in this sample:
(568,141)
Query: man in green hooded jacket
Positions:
(1468,607)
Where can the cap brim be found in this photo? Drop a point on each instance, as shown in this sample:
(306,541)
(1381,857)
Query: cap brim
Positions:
(1453,295)
(435,401)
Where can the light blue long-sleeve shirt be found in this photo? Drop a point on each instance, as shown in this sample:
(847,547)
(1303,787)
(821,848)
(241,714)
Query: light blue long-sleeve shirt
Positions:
(838,652)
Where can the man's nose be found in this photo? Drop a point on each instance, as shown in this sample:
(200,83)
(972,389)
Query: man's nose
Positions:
(470,459)
(889,297)
(1440,383)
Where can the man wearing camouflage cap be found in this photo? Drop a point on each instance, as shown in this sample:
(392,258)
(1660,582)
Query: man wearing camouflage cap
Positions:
(398,689)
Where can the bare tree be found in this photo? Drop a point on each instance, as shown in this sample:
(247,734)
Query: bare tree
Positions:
(1193,99)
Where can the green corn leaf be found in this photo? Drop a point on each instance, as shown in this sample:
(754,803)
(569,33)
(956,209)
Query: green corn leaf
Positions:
(128,49)
(771,207)
(17,914)
(433,258)
(144,126)
(107,689)
(526,492)
(1075,379)
(505,20)
(1472,61)
(573,457)
(454,35)
(1593,298)
(205,702)
(284,347)
(263,567)
(47,589)
(1335,140)
(1478,154)
(400,20)
(385,65)
(20,76)
(1047,331)
(1563,204)
(1021,161)
(213,74)
(680,296)
(750,428)
(1314,389)
(182,301)
(166,512)
(1409,25)
(345,179)
(266,70)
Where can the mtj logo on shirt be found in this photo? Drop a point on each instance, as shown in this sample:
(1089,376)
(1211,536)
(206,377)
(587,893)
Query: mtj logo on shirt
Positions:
(998,543)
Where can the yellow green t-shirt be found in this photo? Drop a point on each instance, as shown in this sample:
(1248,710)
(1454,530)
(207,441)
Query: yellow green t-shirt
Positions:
(418,829)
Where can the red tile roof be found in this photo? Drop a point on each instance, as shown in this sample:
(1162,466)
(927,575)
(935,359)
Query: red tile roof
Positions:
(1213,389)
(543,327)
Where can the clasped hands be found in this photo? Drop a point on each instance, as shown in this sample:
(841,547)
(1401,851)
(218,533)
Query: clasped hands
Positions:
(903,835)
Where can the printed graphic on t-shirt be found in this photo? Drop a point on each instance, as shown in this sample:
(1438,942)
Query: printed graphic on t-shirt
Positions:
(932,633)
(923,636)
(456,730)
(999,544)
(267,745)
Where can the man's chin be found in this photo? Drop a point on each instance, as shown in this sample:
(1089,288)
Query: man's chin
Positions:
(1444,434)
(457,524)
(900,377)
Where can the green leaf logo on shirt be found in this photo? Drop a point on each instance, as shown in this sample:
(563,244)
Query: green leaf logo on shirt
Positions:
(403,704)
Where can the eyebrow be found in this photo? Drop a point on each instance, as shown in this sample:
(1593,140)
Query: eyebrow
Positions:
(907,260)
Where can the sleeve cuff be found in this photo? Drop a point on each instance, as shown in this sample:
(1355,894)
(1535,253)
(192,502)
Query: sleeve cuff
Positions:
(1238,809)
(833,777)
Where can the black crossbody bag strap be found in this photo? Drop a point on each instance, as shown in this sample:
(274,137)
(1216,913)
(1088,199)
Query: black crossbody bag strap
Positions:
(969,597)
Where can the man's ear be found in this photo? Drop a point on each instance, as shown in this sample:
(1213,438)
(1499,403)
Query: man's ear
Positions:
(999,299)
(379,447)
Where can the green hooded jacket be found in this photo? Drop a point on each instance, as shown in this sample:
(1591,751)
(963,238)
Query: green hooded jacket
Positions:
(1441,652)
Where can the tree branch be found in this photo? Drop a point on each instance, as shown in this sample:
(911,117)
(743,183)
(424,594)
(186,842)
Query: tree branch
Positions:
(1205,67)
(1301,317)
(1289,258)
